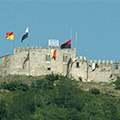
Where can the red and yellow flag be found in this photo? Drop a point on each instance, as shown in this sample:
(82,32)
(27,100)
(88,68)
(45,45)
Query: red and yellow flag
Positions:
(53,53)
(10,35)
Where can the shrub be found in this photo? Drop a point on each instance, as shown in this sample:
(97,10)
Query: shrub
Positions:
(52,77)
(94,91)
(117,83)
(13,86)
(42,84)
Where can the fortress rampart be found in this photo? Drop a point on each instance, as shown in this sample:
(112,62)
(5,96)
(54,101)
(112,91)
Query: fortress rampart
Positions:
(37,61)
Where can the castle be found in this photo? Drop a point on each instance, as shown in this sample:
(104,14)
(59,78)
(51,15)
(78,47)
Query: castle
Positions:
(40,61)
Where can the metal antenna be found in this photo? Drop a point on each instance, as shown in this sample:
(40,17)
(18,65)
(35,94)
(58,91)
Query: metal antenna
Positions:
(76,40)
(71,33)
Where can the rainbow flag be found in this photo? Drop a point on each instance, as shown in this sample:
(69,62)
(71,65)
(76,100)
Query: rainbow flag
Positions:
(2,60)
(10,35)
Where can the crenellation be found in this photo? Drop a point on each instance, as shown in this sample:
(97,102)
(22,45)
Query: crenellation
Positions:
(99,61)
(81,58)
(36,47)
(40,47)
(15,48)
(23,47)
(85,59)
(107,62)
(28,47)
(49,47)
(19,47)
(45,47)
(115,61)
(32,47)
(91,61)
(111,61)
(95,61)
(103,61)
(75,58)
(42,62)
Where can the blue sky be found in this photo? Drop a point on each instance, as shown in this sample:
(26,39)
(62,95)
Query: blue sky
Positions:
(97,24)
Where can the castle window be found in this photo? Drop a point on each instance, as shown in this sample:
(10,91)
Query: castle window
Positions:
(64,58)
(116,66)
(48,68)
(77,64)
(47,58)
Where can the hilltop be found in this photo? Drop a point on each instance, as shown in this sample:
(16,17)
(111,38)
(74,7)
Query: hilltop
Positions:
(55,97)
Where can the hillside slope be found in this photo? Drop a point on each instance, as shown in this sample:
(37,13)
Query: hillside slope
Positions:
(85,86)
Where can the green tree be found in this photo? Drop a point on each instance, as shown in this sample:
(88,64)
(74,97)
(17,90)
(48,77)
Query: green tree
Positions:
(20,105)
(53,112)
(3,112)
(117,83)
(56,97)
(65,92)
(94,91)
(13,86)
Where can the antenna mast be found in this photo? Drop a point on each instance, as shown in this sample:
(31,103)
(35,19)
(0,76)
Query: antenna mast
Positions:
(76,40)
(71,33)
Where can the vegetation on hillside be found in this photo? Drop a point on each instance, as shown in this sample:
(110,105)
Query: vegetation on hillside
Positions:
(55,97)
(117,83)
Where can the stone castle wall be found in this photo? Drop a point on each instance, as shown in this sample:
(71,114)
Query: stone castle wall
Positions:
(37,64)
(104,71)
(79,69)
(5,69)
(38,61)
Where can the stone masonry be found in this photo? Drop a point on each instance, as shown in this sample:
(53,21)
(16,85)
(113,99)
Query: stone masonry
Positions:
(38,61)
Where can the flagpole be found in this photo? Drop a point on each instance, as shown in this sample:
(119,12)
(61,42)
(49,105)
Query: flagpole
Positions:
(24,37)
(71,33)
(76,40)
(26,32)
(29,60)
(28,53)
(13,43)
(29,57)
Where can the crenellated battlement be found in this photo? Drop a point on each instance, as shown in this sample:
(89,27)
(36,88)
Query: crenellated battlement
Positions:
(39,60)
(20,49)
(81,58)
(103,61)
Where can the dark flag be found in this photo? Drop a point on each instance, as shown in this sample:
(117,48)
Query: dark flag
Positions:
(27,58)
(25,35)
(66,45)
